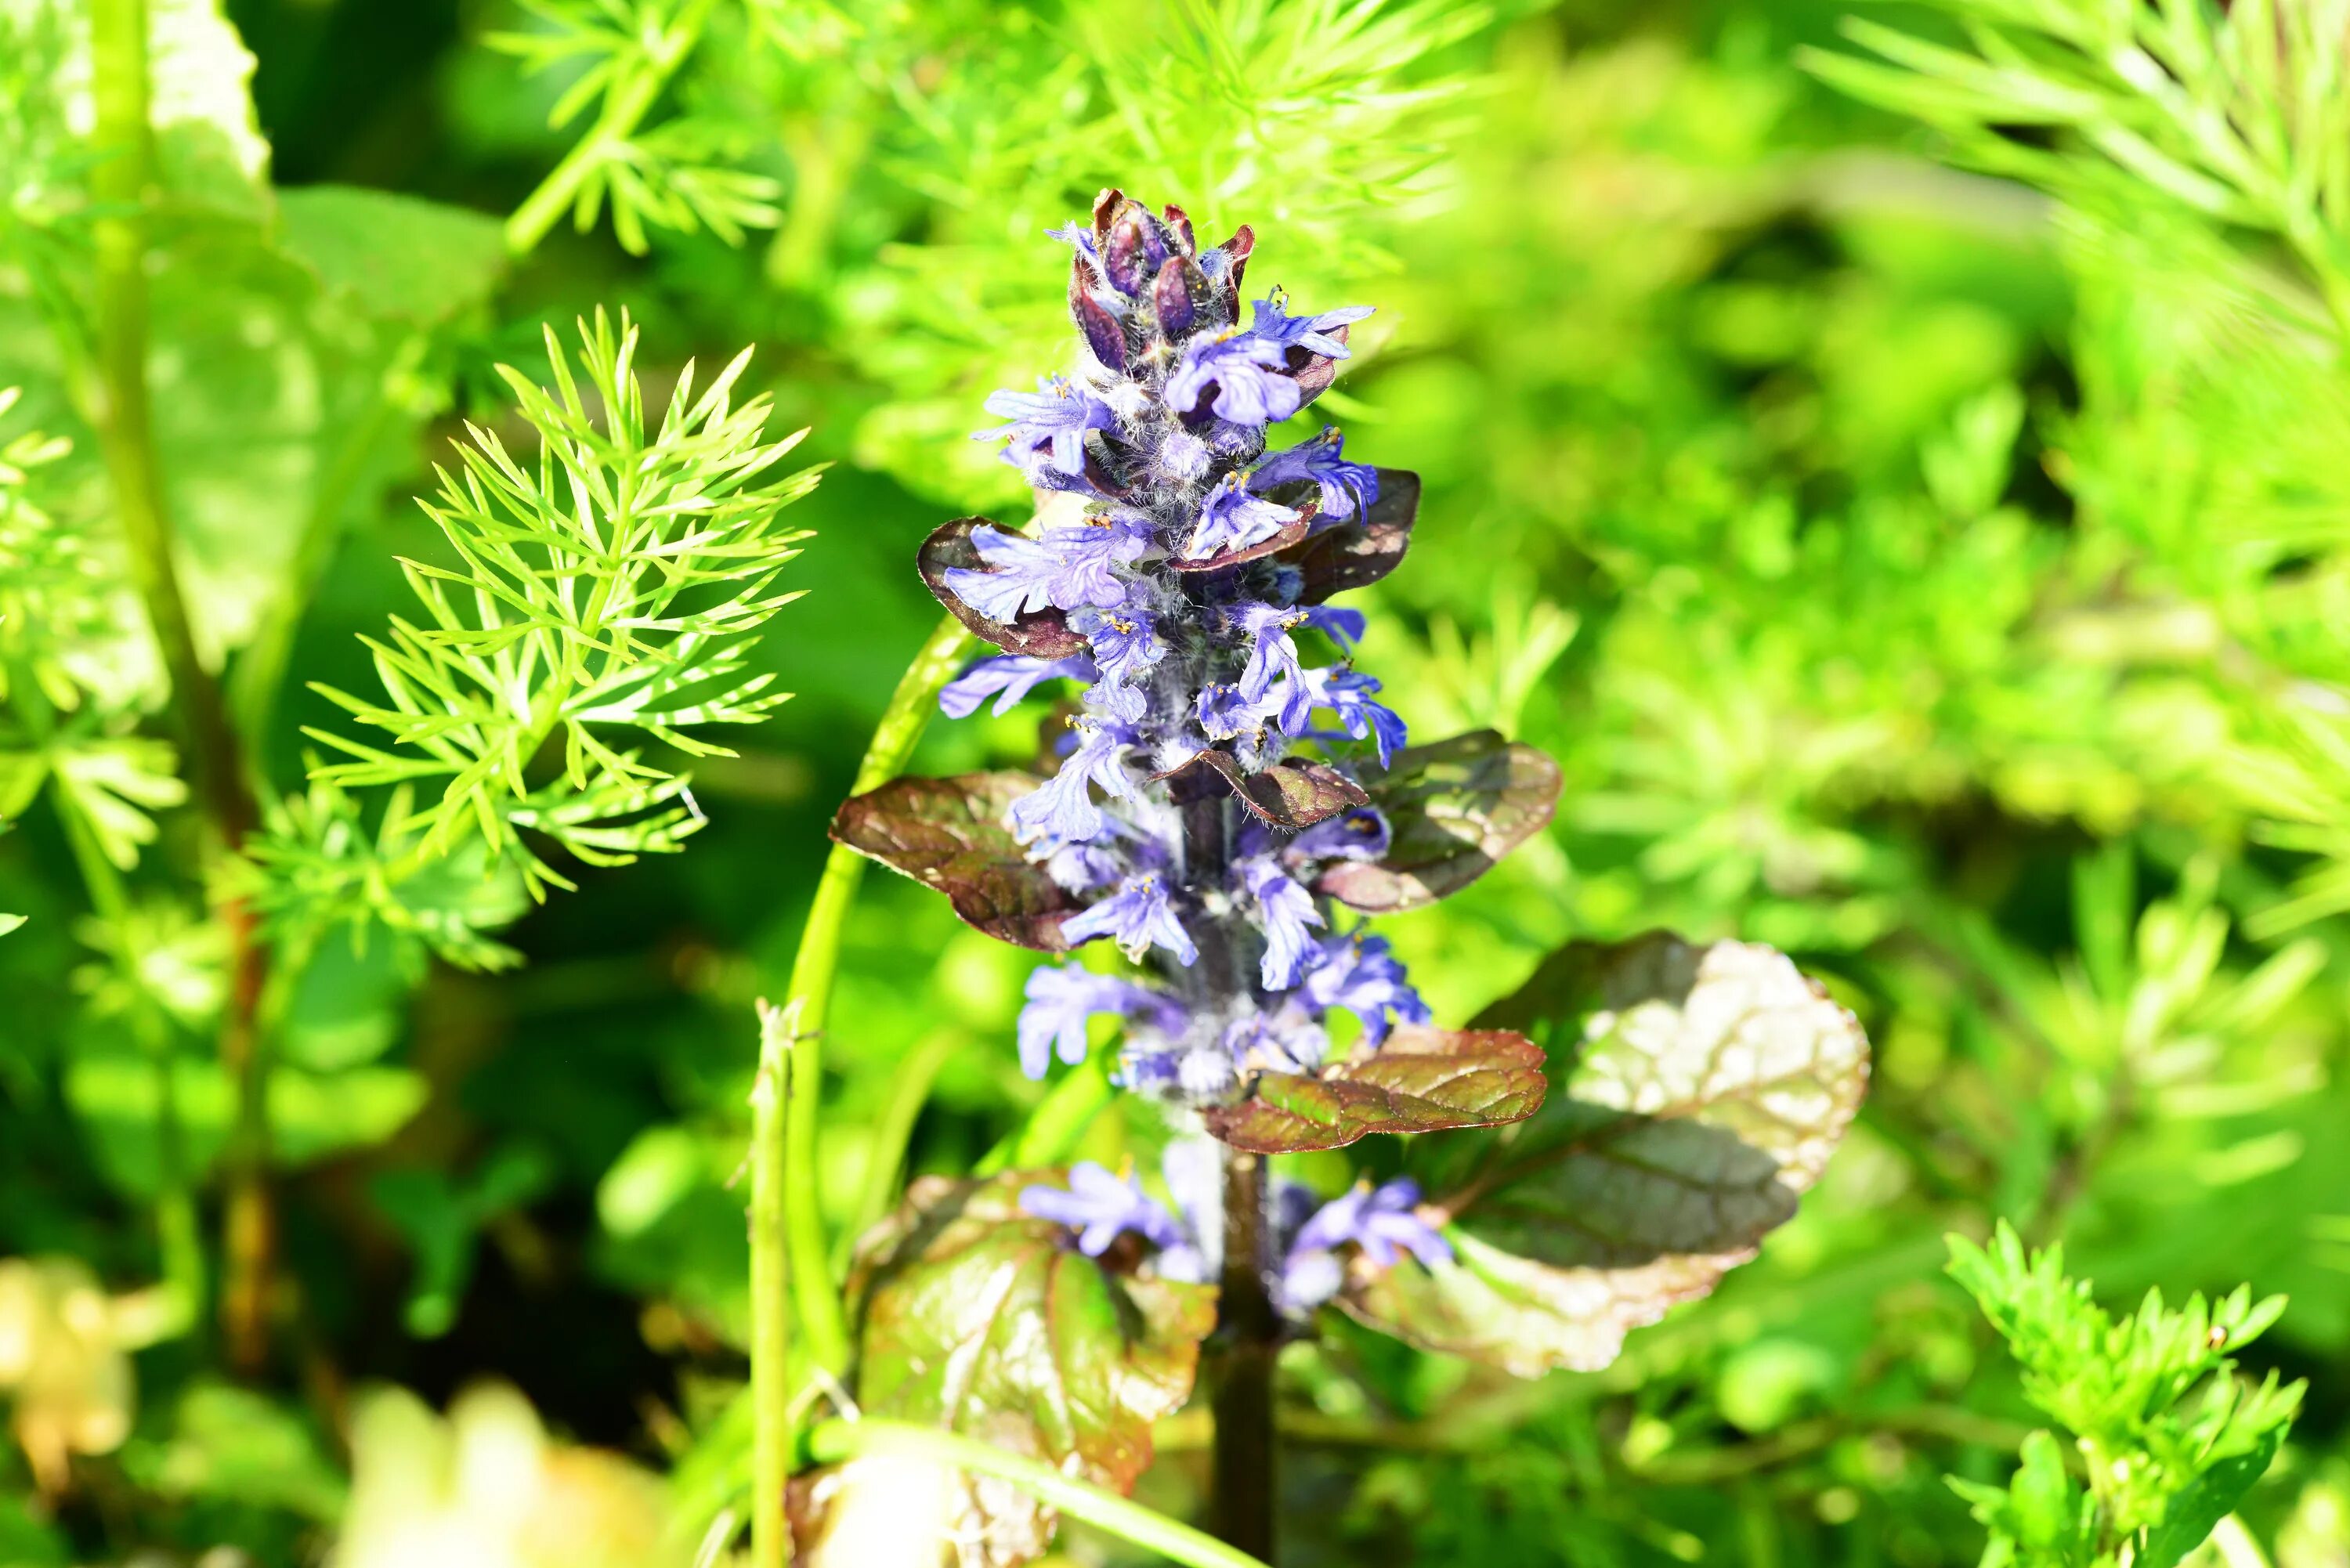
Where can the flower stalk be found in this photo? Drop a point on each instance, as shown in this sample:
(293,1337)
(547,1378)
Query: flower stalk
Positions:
(791,1267)
(122,410)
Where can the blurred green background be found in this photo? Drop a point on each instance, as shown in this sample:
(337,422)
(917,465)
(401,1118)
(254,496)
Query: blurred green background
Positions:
(1933,578)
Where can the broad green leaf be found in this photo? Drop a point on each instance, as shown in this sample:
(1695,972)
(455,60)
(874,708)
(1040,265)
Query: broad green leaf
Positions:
(232,1444)
(116,1099)
(396,256)
(1420,1080)
(952,835)
(1695,1092)
(985,1320)
(1455,808)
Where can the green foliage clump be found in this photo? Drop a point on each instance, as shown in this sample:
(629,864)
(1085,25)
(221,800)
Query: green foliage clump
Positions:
(2161,1468)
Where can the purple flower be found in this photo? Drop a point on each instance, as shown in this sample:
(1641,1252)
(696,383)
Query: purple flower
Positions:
(1361,833)
(1138,917)
(1021,581)
(1223,714)
(1287,913)
(1285,1040)
(1082,867)
(1271,324)
(1012,674)
(1089,553)
(1062,809)
(1125,641)
(1347,693)
(1343,627)
(1273,655)
(1359,975)
(1048,425)
(1124,704)
(1060,1000)
(1101,1208)
(1382,1222)
(1347,487)
(1233,519)
(1245,370)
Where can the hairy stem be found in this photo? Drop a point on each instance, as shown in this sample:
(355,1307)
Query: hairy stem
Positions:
(123,181)
(1242,1488)
(771,1311)
(834,1442)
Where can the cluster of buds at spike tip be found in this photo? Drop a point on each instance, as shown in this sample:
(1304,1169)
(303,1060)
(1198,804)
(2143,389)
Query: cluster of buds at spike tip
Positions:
(1228,790)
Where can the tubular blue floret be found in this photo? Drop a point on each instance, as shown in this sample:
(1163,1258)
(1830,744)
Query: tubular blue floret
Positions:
(1101,1207)
(1008,678)
(1233,519)
(1347,487)
(1049,426)
(1245,373)
(1138,917)
(1381,1222)
(1061,1001)
(1270,323)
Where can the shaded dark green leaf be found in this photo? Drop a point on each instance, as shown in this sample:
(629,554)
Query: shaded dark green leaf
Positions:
(1697,1091)
(1421,1080)
(1288,795)
(1455,808)
(1358,554)
(950,834)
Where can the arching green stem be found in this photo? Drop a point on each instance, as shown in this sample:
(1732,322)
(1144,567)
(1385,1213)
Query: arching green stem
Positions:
(791,1267)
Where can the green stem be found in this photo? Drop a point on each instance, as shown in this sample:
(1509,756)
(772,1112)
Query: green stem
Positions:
(624,109)
(123,183)
(908,1095)
(814,1291)
(833,1442)
(1050,1134)
(771,1312)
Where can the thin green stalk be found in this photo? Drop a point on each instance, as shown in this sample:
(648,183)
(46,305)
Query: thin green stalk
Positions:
(908,1093)
(833,1442)
(123,180)
(814,1291)
(621,114)
(1051,1133)
(771,1312)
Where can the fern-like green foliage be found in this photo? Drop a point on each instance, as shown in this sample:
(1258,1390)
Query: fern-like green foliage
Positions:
(2236,113)
(676,173)
(968,129)
(2169,1437)
(604,598)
